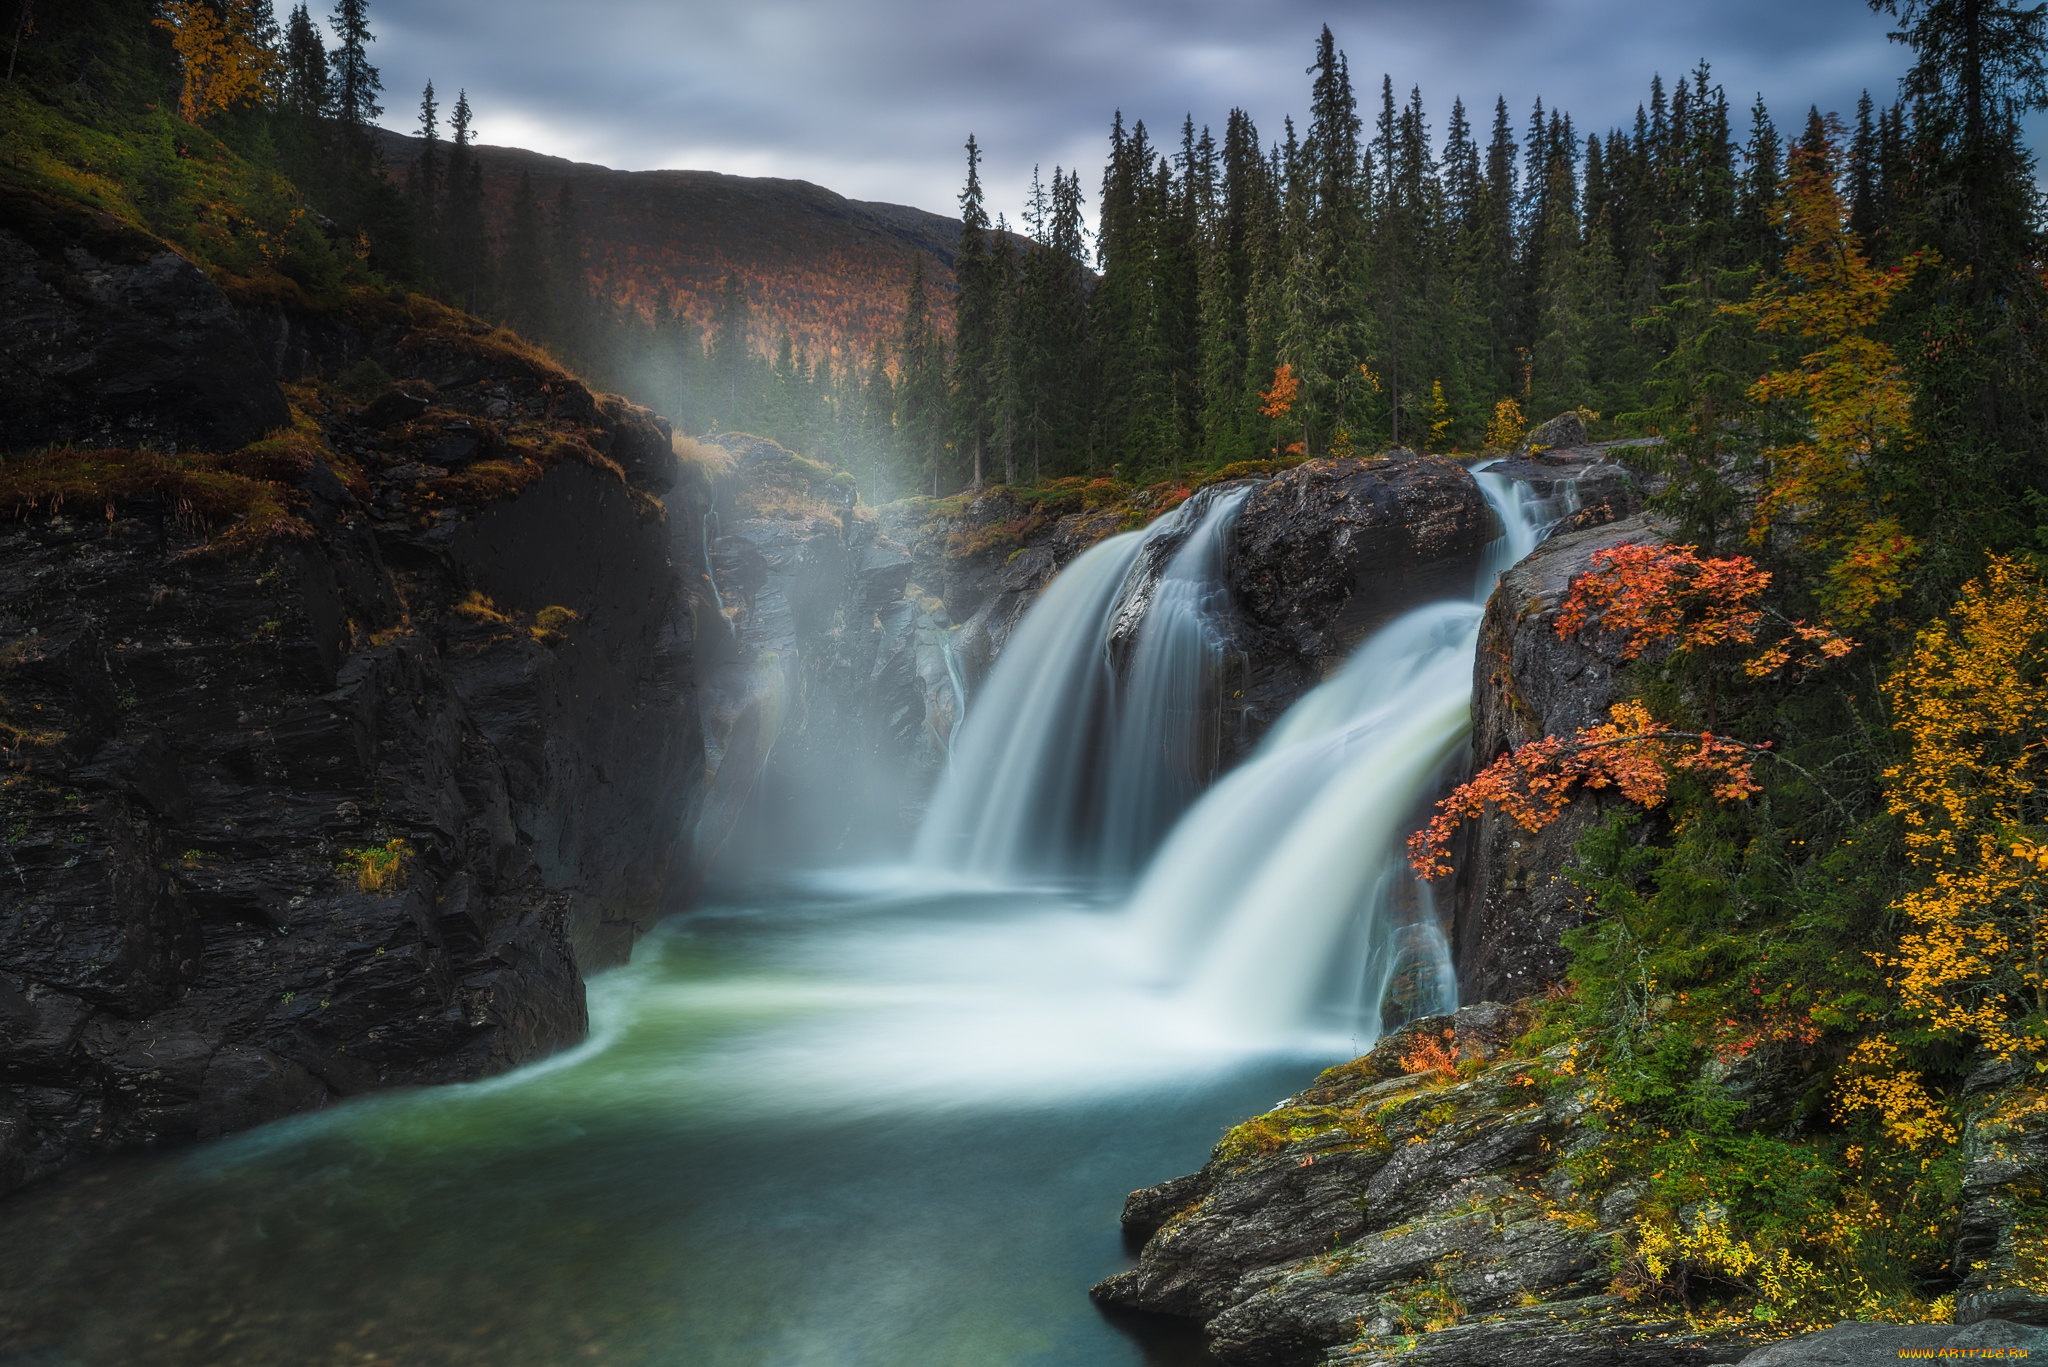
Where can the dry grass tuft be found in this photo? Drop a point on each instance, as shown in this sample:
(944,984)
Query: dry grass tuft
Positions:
(706,459)
(239,501)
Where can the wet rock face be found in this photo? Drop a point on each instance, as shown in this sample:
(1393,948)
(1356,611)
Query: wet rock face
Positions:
(1416,1186)
(109,337)
(828,698)
(1332,548)
(1512,901)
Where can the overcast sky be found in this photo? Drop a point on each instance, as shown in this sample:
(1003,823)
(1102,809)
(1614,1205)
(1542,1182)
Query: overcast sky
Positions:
(873,98)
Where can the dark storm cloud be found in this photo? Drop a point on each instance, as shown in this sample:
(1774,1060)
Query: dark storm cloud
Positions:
(874,97)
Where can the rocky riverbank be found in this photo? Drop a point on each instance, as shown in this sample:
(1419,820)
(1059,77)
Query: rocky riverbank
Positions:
(1449,1200)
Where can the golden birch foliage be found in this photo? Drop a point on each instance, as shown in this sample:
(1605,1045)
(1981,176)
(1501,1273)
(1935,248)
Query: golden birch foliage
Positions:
(1849,390)
(219,47)
(1971,796)
(1505,431)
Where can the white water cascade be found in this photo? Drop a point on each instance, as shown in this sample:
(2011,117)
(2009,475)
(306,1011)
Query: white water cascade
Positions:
(1279,900)
(1283,899)
(1169,720)
(1064,770)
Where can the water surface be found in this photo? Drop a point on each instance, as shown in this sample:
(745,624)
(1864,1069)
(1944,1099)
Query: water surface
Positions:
(819,1126)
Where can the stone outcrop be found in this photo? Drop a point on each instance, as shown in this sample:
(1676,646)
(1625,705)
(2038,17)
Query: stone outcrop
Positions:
(1331,549)
(1512,902)
(357,805)
(986,565)
(1406,1206)
(2000,1233)
(1855,1343)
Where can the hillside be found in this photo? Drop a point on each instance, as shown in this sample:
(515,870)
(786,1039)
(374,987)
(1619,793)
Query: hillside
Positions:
(829,269)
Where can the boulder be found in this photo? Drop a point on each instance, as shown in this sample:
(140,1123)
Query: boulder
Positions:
(1567,429)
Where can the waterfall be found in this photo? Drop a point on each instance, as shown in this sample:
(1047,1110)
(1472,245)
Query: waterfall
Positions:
(1282,899)
(1169,729)
(1016,797)
(1066,766)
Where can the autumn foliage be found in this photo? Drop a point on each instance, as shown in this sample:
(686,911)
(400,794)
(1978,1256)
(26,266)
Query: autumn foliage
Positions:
(1275,402)
(1654,595)
(1849,400)
(1972,794)
(1647,596)
(221,50)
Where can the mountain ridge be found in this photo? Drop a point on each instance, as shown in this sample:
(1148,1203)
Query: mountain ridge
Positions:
(831,270)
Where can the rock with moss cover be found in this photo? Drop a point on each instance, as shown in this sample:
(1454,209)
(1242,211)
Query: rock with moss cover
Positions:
(1408,1202)
(1856,1343)
(2001,1257)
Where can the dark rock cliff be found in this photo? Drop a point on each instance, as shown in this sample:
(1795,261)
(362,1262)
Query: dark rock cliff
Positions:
(110,336)
(351,808)
(1330,550)
(1512,900)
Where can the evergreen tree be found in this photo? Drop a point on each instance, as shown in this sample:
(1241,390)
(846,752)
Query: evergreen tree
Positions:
(423,181)
(976,316)
(921,385)
(303,91)
(734,402)
(356,83)
(465,260)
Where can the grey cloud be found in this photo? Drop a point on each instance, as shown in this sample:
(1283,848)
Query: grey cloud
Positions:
(873,98)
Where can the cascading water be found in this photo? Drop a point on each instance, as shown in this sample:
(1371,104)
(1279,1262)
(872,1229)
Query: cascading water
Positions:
(1282,899)
(1064,769)
(1017,795)
(1169,715)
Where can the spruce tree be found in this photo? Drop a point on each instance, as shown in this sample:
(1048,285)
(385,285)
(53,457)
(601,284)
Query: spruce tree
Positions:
(303,93)
(976,314)
(356,83)
(465,259)
(527,290)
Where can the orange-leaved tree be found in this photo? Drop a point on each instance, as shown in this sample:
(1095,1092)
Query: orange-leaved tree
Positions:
(1277,402)
(1645,596)
(1971,699)
(1847,399)
(221,49)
